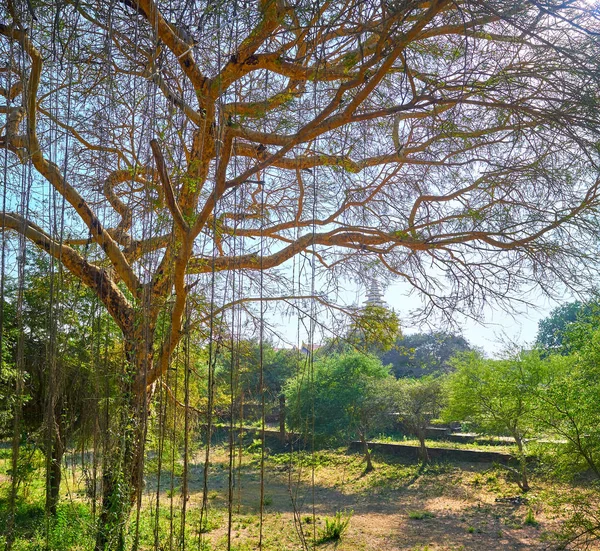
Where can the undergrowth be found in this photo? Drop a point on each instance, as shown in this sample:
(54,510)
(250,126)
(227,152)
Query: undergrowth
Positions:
(335,526)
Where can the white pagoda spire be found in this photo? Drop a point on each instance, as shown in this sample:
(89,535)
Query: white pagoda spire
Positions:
(375,295)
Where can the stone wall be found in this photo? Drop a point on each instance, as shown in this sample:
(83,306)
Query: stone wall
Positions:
(411,453)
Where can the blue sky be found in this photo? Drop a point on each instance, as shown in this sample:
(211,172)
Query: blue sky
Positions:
(495,331)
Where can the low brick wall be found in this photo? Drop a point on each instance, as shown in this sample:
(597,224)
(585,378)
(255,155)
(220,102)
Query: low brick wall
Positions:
(411,453)
(461,438)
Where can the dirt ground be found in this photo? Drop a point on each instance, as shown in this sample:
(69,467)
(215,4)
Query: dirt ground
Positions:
(396,507)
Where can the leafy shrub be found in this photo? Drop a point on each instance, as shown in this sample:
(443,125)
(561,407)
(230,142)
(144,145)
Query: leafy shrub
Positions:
(335,526)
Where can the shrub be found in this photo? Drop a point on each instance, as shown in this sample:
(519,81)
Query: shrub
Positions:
(335,526)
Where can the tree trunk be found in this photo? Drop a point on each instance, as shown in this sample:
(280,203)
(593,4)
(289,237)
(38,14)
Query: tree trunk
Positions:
(282,418)
(121,478)
(123,462)
(423,453)
(367,453)
(524,482)
(54,477)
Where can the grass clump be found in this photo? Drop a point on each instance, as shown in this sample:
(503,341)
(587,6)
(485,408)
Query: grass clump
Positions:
(335,526)
(209,523)
(420,515)
(71,529)
(530,519)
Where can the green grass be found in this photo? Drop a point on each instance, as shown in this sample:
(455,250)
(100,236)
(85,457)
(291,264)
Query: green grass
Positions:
(420,515)
(71,530)
(530,519)
(340,485)
(446,444)
(308,459)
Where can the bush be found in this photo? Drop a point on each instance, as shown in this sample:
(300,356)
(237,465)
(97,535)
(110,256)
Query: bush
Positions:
(335,526)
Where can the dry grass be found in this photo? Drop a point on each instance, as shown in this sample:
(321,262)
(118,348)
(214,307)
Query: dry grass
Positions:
(398,506)
(457,502)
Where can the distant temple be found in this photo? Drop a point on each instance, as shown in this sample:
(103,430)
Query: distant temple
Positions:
(375,296)
(306,349)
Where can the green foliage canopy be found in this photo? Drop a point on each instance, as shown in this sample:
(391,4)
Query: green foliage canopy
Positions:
(495,396)
(424,353)
(419,401)
(337,397)
(498,397)
(375,329)
(569,408)
(560,332)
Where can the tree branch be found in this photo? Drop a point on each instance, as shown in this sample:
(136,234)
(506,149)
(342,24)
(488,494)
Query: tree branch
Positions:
(168,188)
(95,278)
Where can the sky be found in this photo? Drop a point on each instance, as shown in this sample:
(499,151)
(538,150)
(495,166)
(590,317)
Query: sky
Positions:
(497,329)
(496,332)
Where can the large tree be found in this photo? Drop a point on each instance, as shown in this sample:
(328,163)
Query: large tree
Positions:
(453,144)
(342,397)
(424,353)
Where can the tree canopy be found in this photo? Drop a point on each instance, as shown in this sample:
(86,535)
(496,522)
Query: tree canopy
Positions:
(421,354)
(569,406)
(339,398)
(499,397)
(419,401)
(561,331)
(374,329)
(421,136)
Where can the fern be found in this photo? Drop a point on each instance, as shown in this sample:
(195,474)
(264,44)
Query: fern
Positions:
(335,526)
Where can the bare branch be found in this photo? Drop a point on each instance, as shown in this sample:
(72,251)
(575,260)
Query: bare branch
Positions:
(166,182)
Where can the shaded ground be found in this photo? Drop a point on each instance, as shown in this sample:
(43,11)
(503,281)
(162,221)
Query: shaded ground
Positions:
(399,506)
(396,507)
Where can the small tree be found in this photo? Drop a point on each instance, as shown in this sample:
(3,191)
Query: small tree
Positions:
(374,329)
(419,401)
(570,407)
(498,397)
(341,398)
(374,412)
